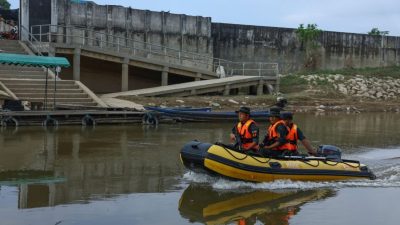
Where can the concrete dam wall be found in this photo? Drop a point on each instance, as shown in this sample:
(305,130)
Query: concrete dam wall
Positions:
(186,33)
(336,50)
(239,43)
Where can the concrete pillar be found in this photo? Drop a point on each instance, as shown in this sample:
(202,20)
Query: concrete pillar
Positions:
(24,19)
(260,88)
(198,77)
(125,75)
(164,76)
(77,64)
(227,90)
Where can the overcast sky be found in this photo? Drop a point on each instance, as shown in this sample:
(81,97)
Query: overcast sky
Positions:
(357,16)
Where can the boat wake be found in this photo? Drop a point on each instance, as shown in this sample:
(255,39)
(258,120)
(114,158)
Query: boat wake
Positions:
(386,168)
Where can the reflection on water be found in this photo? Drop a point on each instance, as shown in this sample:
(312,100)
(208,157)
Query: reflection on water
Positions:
(45,170)
(352,131)
(100,162)
(205,205)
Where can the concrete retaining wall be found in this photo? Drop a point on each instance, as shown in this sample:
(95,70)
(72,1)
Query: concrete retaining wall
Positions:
(186,33)
(337,50)
(227,41)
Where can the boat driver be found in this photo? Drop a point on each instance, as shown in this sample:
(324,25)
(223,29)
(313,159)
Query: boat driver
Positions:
(295,134)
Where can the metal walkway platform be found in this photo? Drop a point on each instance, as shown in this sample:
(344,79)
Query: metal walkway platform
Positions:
(203,87)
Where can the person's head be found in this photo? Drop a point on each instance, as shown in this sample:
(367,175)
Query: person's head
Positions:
(244,114)
(287,117)
(274,115)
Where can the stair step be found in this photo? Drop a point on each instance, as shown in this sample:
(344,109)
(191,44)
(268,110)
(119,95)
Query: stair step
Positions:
(16,67)
(59,100)
(39,87)
(92,104)
(35,91)
(11,48)
(58,95)
(36,82)
(39,81)
(21,70)
(36,77)
(14,51)
(9,42)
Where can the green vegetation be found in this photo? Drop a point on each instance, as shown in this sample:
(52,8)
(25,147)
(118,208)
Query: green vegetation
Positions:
(392,71)
(292,83)
(309,41)
(376,31)
(308,35)
(4,4)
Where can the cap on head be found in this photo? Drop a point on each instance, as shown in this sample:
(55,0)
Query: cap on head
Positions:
(287,115)
(244,109)
(275,112)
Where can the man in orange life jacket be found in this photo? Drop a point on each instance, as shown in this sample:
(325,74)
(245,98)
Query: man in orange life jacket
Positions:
(245,133)
(275,143)
(295,134)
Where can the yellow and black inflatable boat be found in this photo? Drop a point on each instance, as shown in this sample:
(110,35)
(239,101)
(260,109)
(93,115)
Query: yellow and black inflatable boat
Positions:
(220,160)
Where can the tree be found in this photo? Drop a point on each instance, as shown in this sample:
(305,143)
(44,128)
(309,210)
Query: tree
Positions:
(4,4)
(376,31)
(308,35)
(309,41)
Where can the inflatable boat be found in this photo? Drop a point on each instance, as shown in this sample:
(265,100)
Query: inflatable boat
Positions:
(203,115)
(227,162)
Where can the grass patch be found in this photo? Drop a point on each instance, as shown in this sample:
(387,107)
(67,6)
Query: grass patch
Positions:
(292,83)
(392,71)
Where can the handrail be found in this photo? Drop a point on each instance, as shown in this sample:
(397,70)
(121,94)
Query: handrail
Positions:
(30,36)
(118,38)
(139,48)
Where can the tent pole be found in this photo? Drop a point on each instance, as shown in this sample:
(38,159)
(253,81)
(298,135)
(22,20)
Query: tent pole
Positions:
(45,89)
(55,90)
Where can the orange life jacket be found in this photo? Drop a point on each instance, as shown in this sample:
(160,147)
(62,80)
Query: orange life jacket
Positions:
(246,136)
(273,135)
(292,138)
(241,222)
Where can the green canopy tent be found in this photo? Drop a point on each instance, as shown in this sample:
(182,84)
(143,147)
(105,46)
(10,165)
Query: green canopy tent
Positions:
(36,61)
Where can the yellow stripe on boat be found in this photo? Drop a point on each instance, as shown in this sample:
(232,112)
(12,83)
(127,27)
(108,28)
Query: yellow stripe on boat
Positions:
(285,165)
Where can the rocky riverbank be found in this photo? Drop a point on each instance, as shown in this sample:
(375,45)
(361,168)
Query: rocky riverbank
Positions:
(359,86)
(319,93)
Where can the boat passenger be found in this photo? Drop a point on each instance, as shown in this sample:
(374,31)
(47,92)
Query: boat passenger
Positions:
(295,134)
(275,143)
(245,134)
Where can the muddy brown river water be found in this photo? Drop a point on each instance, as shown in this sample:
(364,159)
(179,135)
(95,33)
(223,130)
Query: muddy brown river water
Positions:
(133,175)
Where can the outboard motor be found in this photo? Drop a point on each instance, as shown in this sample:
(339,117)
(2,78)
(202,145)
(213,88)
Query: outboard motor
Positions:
(330,152)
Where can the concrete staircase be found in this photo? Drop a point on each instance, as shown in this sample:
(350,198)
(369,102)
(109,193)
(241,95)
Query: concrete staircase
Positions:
(28,83)
(33,90)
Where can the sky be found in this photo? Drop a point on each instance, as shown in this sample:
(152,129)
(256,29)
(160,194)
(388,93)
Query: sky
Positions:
(356,16)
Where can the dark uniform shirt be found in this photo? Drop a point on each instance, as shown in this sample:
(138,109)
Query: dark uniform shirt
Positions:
(253,129)
(300,135)
(282,131)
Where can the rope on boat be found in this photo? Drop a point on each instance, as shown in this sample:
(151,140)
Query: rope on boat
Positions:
(246,155)
(303,160)
(358,165)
